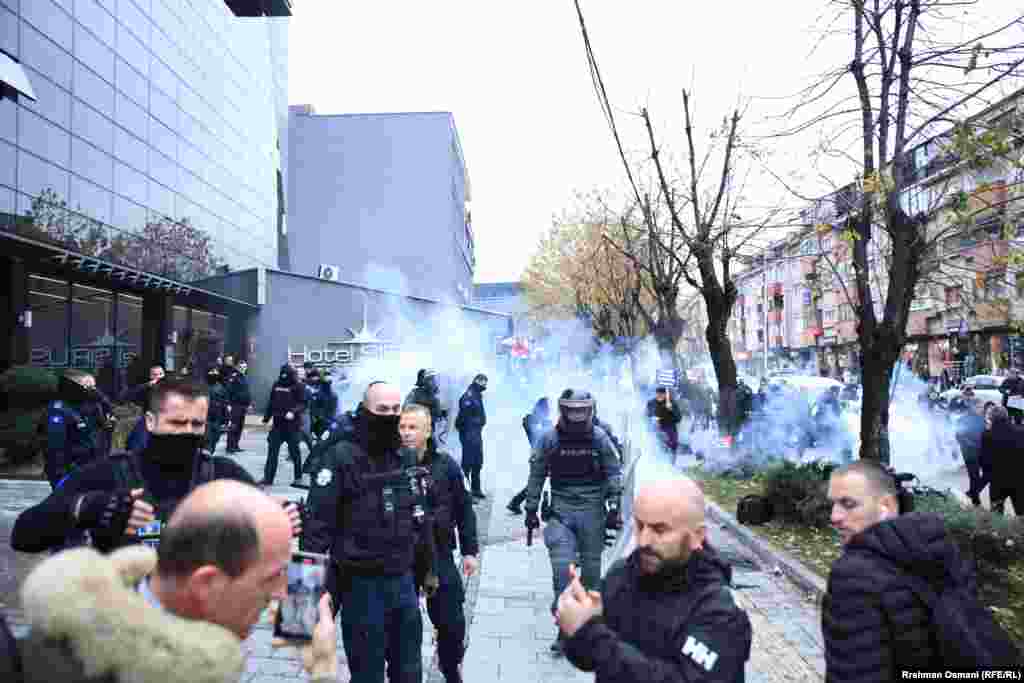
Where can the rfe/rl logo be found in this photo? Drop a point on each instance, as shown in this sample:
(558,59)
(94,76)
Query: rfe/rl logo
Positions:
(699,652)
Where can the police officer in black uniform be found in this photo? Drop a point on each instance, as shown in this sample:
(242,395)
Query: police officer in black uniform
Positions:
(586,483)
(219,417)
(470,424)
(285,405)
(323,409)
(74,425)
(425,393)
(239,397)
(115,497)
(450,508)
(362,506)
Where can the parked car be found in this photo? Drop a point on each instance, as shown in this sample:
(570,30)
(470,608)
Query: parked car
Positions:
(986,389)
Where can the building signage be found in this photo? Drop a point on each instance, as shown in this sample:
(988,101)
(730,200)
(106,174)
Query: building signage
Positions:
(81,357)
(365,346)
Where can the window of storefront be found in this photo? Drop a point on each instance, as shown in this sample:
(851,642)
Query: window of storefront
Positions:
(183,327)
(208,339)
(93,345)
(129,335)
(48,333)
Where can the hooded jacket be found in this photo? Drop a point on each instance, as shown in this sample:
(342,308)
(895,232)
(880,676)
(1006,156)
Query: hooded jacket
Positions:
(88,624)
(873,623)
(677,627)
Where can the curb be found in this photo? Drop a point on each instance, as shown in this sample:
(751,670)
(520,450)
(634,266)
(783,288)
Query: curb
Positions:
(793,569)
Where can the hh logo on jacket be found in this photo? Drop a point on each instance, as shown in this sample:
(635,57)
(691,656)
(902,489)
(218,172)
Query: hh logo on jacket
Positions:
(699,652)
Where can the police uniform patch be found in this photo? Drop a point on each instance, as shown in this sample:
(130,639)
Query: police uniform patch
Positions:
(56,419)
(323,477)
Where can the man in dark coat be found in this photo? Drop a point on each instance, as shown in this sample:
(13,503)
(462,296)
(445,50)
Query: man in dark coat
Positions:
(285,405)
(239,397)
(969,430)
(1001,448)
(873,622)
(665,415)
(665,613)
(1013,395)
(470,423)
(139,395)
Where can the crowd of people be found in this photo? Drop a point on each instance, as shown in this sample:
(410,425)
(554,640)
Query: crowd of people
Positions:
(389,508)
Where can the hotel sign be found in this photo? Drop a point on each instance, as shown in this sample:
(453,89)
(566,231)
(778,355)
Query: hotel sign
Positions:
(341,353)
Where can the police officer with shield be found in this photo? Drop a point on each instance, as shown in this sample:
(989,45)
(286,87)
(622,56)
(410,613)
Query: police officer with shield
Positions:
(586,484)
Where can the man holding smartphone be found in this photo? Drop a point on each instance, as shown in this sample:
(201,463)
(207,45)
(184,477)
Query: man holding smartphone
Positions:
(450,508)
(362,512)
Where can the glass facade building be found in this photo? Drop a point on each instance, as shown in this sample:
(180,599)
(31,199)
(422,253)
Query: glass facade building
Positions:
(154,139)
(149,160)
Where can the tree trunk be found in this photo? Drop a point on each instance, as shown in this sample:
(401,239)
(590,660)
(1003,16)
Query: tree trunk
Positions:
(877,365)
(725,369)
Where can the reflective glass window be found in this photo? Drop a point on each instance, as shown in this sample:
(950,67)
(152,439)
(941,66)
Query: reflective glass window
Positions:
(186,128)
(130,150)
(189,157)
(88,123)
(48,336)
(191,186)
(52,102)
(129,337)
(162,138)
(166,20)
(91,200)
(49,19)
(128,216)
(181,324)
(132,117)
(95,54)
(8,163)
(92,326)
(91,163)
(130,183)
(208,339)
(163,77)
(131,83)
(44,194)
(65,4)
(92,89)
(8,119)
(8,32)
(131,50)
(95,18)
(134,19)
(42,138)
(161,199)
(163,170)
(163,108)
(45,56)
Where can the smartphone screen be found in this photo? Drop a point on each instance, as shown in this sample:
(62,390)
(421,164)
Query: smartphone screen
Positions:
(299,611)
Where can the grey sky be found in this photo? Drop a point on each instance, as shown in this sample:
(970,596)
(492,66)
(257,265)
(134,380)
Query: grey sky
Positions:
(516,80)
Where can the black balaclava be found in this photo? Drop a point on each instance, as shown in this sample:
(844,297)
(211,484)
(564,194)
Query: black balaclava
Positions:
(287,375)
(381,432)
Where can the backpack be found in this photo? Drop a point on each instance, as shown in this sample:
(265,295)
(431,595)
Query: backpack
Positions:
(10,657)
(754,510)
(966,635)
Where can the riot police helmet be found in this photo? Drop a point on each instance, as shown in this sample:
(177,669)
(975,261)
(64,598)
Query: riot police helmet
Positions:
(427,379)
(576,410)
(313,375)
(213,375)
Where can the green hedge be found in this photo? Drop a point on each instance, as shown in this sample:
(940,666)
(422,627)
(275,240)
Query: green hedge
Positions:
(798,493)
(988,536)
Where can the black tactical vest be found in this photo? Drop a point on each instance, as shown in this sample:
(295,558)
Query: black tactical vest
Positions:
(378,524)
(575,461)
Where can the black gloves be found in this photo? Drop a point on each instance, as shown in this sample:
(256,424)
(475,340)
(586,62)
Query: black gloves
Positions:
(104,511)
(532,520)
(613,521)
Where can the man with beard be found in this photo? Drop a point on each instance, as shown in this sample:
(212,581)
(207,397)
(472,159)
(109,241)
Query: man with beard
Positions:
(875,618)
(470,423)
(665,613)
(114,498)
(585,478)
(285,405)
(362,511)
(74,425)
(450,509)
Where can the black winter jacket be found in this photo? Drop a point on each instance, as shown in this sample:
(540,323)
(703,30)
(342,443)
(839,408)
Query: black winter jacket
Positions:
(873,623)
(681,628)
(286,397)
(1001,452)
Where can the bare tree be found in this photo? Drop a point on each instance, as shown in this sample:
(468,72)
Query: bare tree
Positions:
(910,84)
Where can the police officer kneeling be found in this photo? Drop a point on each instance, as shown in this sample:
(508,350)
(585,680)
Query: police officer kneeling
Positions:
(362,506)
(115,497)
(585,475)
(450,507)
(664,613)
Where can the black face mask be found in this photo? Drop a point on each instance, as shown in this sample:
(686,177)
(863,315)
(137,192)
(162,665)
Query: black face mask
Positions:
(173,449)
(481,387)
(381,432)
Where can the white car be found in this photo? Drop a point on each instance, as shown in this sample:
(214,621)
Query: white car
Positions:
(986,389)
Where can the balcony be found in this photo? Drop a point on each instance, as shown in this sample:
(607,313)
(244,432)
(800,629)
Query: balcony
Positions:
(775,289)
(815,331)
(774,316)
(809,268)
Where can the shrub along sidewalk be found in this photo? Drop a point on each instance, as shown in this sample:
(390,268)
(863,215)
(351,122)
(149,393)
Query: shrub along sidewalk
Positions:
(801,528)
